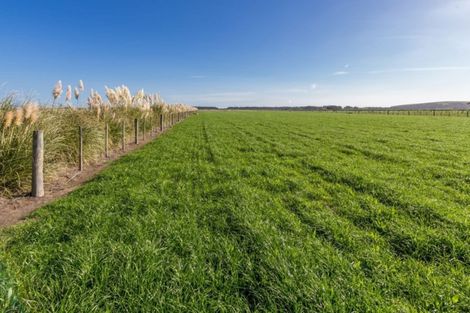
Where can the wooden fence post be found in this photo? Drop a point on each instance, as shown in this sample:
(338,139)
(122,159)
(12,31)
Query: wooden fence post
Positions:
(123,136)
(136,131)
(37,185)
(143,129)
(106,140)
(161,122)
(80,148)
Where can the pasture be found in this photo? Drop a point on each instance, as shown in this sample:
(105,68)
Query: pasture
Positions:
(259,211)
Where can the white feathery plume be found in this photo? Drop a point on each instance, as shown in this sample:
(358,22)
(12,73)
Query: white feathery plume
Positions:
(57,91)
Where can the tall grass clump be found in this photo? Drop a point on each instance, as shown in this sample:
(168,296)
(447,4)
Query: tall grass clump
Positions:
(60,124)
(16,127)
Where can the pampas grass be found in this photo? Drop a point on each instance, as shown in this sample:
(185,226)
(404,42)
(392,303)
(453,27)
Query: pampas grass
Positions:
(19,120)
(68,94)
(15,141)
(57,91)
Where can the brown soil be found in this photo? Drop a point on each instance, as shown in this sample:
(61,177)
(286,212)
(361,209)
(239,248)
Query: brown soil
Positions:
(16,209)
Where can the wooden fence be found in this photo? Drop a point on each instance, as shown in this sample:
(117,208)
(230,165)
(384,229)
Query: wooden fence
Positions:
(461,113)
(164,121)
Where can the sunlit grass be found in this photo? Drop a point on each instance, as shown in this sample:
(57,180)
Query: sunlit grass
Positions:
(60,126)
(260,211)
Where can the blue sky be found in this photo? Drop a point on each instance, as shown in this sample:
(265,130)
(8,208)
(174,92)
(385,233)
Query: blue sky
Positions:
(242,52)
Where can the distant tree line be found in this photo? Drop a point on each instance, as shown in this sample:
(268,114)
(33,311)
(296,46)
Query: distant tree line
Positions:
(450,105)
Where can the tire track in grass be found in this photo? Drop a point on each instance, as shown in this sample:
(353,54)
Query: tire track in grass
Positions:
(403,245)
(387,198)
(252,289)
(376,156)
(351,249)
(256,138)
(397,260)
(207,144)
(246,240)
(224,222)
(324,233)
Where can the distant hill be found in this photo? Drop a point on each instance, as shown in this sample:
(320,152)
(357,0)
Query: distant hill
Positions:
(450,105)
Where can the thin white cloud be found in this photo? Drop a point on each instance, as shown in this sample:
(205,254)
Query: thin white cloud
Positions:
(340,73)
(292,90)
(422,69)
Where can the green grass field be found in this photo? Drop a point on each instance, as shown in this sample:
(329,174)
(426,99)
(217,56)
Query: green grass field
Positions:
(259,211)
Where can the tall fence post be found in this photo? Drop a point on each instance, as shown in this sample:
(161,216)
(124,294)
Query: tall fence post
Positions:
(161,122)
(80,148)
(106,140)
(143,129)
(37,186)
(136,131)
(123,136)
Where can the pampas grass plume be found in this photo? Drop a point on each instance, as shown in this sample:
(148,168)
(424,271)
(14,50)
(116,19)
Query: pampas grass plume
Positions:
(57,91)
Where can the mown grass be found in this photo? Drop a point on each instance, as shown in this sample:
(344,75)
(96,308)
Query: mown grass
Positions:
(260,211)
